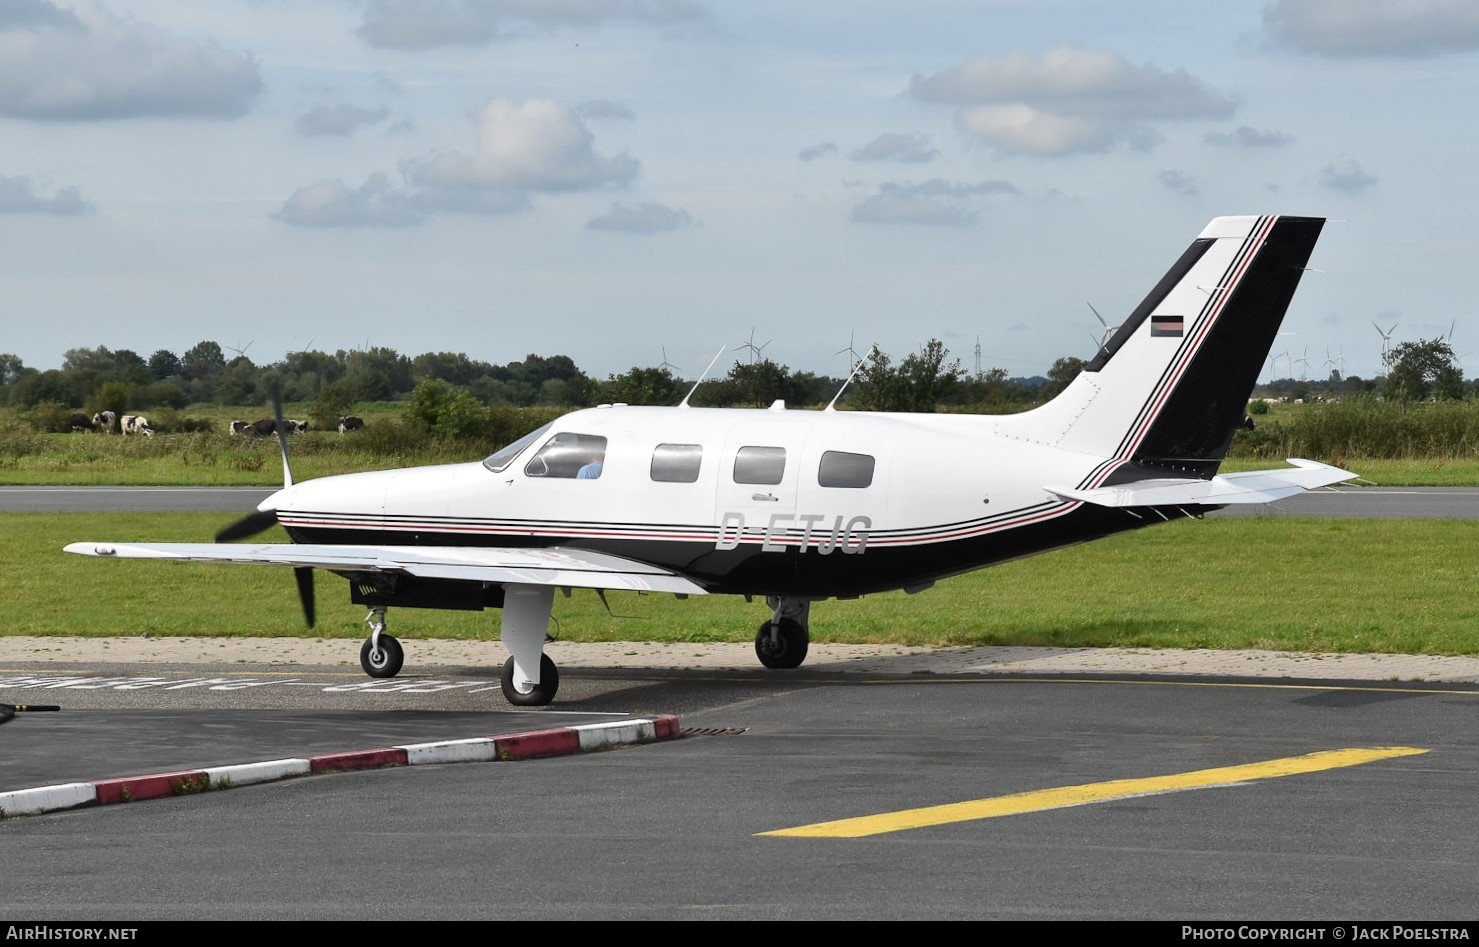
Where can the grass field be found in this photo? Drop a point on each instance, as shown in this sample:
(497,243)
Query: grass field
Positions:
(215,459)
(1280,583)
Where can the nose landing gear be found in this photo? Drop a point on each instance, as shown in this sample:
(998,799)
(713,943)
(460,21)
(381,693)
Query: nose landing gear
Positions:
(381,655)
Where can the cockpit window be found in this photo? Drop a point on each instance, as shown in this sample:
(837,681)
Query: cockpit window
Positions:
(569,456)
(505,456)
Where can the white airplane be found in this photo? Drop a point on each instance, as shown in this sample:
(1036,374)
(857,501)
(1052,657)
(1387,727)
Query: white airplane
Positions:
(799,506)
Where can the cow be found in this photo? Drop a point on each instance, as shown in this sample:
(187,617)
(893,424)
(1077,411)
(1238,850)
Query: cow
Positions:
(240,427)
(297,427)
(350,423)
(105,420)
(137,424)
(266,427)
(80,422)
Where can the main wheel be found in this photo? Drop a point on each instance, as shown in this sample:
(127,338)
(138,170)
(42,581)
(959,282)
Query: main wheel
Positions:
(786,650)
(537,695)
(385,662)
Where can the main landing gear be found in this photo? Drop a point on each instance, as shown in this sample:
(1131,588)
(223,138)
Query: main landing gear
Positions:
(381,655)
(529,677)
(781,643)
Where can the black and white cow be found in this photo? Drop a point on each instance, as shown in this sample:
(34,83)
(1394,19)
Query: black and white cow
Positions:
(137,424)
(297,427)
(81,422)
(350,423)
(266,427)
(240,427)
(105,420)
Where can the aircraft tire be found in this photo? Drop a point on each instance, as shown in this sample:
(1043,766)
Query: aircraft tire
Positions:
(387,663)
(541,694)
(787,651)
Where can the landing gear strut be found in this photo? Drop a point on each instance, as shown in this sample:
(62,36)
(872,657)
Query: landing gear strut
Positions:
(381,655)
(781,643)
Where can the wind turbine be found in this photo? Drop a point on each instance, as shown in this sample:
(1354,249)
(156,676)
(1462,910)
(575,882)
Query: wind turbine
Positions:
(754,349)
(1386,337)
(665,364)
(850,352)
(1305,361)
(1103,339)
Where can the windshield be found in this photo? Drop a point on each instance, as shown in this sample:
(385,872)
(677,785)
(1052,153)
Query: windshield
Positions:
(502,458)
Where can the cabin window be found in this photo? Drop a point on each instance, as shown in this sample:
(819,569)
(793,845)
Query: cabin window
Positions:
(505,456)
(677,463)
(759,464)
(841,469)
(569,456)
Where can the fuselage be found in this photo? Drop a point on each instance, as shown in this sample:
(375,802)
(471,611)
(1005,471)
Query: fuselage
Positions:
(763,501)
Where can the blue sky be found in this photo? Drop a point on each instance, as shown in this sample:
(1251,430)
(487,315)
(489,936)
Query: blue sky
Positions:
(628,181)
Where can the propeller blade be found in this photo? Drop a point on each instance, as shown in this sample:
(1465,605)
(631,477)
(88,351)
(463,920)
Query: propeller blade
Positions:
(282,433)
(249,525)
(304,575)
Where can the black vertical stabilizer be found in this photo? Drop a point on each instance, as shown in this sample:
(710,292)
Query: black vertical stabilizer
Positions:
(1194,427)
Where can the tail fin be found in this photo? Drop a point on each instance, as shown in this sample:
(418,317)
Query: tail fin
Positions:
(1171,386)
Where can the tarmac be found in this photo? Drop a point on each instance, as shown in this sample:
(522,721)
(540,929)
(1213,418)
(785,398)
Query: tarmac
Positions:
(870,658)
(874,659)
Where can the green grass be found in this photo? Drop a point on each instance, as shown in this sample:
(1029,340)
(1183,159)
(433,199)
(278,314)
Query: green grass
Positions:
(1288,584)
(1422,472)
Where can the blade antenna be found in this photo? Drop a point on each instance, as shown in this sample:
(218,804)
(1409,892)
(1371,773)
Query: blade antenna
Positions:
(855,369)
(684,402)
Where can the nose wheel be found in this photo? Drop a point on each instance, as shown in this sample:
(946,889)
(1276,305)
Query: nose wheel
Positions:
(381,655)
(781,643)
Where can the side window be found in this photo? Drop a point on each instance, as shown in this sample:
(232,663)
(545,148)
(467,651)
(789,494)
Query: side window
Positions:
(569,456)
(759,464)
(841,469)
(677,463)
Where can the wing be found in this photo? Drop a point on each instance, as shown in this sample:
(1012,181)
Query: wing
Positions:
(1254,486)
(554,566)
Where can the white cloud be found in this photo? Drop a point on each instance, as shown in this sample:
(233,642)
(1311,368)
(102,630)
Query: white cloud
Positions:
(1245,136)
(331,203)
(935,202)
(341,120)
(1348,175)
(82,63)
(911,147)
(642,219)
(1070,100)
(18,196)
(1374,27)
(423,24)
(823,150)
(537,145)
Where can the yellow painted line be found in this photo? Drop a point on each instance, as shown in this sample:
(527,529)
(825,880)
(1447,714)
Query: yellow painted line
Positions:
(1064,796)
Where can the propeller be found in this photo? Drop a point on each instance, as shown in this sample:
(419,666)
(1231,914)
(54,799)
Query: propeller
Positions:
(255,522)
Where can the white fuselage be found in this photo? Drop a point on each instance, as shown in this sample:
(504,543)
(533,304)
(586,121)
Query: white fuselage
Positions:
(917,496)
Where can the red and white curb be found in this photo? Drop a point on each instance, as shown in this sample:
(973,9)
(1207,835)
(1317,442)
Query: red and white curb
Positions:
(557,741)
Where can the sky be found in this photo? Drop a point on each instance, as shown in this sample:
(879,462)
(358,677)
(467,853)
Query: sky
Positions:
(660,182)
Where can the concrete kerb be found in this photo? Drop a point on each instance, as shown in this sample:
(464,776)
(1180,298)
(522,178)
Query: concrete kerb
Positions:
(537,744)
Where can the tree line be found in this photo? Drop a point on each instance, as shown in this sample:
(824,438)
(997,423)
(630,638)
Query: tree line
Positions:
(441,385)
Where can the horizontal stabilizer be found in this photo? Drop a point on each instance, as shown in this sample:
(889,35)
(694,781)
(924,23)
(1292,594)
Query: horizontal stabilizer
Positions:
(555,566)
(1253,486)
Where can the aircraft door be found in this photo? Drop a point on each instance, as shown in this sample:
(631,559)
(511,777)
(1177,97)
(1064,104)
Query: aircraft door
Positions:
(758,475)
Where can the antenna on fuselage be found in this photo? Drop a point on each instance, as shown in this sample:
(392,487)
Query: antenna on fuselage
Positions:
(831,405)
(684,402)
